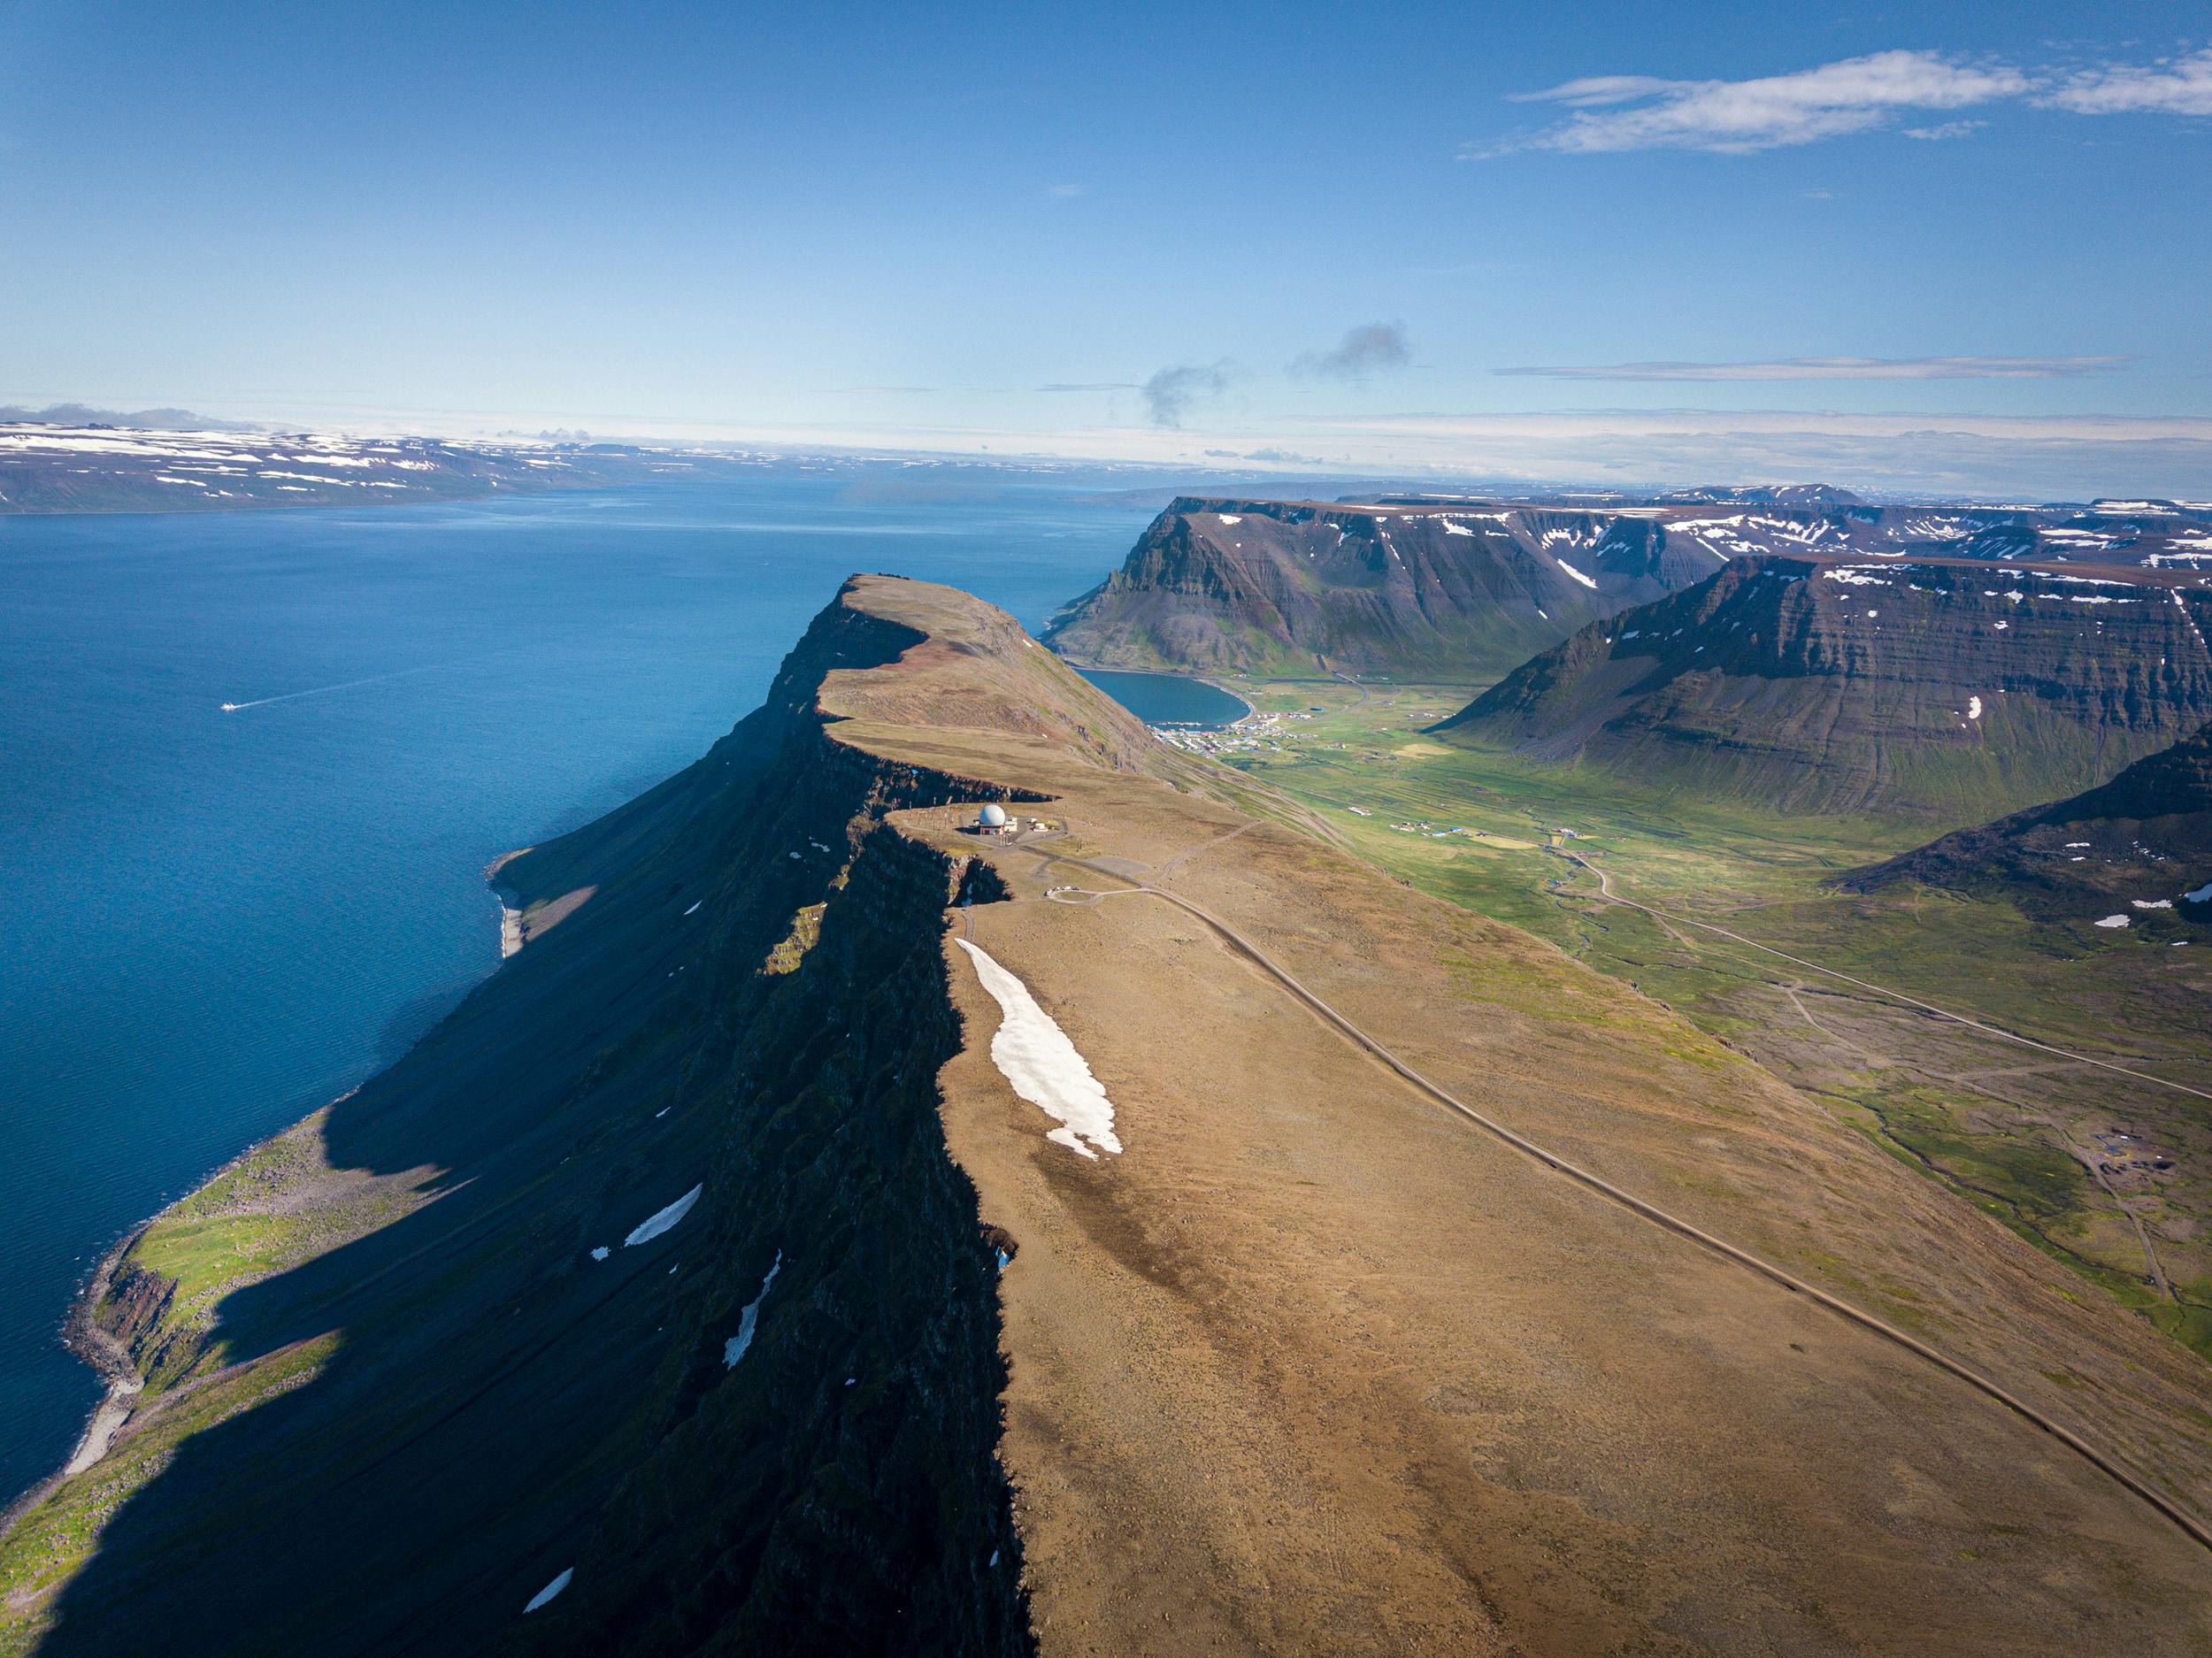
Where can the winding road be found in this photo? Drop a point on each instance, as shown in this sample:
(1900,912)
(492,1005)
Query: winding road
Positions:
(1237,942)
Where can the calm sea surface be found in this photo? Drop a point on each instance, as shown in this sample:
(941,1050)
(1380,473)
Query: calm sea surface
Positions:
(213,923)
(1169,699)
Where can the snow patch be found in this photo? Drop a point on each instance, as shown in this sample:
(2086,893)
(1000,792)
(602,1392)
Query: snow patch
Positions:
(694,907)
(1973,707)
(550,1591)
(2154,904)
(2114,921)
(600,1253)
(1232,518)
(1577,574)
(1043,1066)
(654,1225)
(749,1319)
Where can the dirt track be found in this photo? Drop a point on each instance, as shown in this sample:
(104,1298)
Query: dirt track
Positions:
(1604,1188)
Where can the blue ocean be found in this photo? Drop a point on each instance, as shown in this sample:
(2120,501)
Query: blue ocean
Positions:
(213,922)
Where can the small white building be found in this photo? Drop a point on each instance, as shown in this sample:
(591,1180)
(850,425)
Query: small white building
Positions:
(993,820)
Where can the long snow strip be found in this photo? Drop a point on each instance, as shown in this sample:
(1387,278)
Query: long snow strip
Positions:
(749,1320)
(1035,1056)
(550,1590)
(654,1225)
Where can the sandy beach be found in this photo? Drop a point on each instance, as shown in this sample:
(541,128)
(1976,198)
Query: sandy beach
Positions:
(510,933)
(106,1423)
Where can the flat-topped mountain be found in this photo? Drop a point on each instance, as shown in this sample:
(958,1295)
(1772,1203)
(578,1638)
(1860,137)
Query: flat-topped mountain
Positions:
(1303,588)
(1761,496)
(2138,847)
(1946,689)
(1139,1227)
(1463,591)
(45,467)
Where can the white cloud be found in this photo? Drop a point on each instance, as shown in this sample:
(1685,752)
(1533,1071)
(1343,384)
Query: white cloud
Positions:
(1800,368)
(1737,116)
(1066,190)
(2173,86)
(2053,458)
(1946,129)
(1857,94)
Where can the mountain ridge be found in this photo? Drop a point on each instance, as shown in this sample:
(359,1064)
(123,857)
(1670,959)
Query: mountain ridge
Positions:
(1462,592)
(707,1281)
(2140,844)
(1928,688)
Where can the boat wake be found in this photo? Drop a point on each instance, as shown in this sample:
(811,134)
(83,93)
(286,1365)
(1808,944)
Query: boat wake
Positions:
(325,690)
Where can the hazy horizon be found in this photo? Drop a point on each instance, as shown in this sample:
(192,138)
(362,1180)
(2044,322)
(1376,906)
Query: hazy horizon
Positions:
(1938,248)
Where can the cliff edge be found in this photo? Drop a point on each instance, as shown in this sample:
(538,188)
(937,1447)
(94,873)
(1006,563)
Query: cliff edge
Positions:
(841,1231)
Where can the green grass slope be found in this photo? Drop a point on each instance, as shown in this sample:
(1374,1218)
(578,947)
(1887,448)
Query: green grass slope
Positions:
(2140,844)
(2111,1175)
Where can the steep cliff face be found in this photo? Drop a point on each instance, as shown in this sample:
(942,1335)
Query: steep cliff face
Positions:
(410,1362)
(2140,845)
(1298,589)
(712,1282)
(1917,686)
(1465,591)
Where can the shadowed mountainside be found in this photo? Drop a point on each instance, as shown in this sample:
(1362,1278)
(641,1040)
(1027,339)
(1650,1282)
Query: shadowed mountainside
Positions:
(390,1392)
(2143,840)
(869,1364)
(1940,690)
(1425,588)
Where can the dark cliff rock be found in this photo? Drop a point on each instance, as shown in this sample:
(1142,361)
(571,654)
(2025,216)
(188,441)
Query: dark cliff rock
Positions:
(133,1302)
(1909,686)
(1298,589)
(1462,592)
(490,1404)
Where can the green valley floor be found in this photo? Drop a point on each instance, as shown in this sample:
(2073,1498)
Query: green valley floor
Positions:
(2109,1172)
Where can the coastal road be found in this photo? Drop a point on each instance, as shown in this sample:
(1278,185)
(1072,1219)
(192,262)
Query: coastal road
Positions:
(1237,942)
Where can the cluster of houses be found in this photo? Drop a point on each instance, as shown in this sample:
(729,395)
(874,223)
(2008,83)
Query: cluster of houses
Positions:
(1255,733)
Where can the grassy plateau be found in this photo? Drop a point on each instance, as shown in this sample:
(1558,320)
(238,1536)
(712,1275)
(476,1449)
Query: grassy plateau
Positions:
(2111,1174)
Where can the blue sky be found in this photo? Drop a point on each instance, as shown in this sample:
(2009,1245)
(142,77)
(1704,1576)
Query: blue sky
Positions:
(1962,244)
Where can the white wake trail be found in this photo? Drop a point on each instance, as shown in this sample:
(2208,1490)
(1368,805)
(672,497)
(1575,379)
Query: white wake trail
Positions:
(325,690)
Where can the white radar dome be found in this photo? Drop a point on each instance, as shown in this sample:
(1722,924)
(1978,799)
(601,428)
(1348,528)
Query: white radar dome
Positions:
(992,817)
